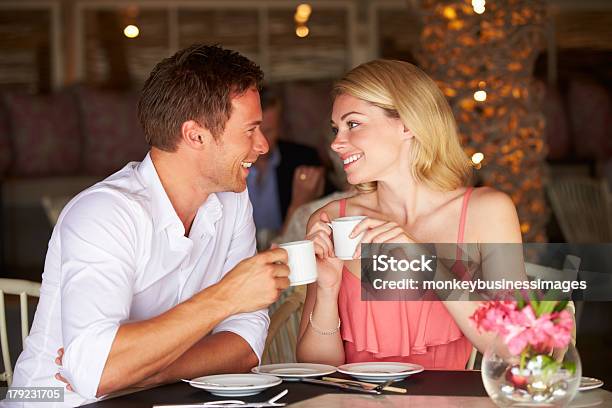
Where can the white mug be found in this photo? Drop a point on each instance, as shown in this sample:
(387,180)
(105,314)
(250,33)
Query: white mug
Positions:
(302,262)
(344,247)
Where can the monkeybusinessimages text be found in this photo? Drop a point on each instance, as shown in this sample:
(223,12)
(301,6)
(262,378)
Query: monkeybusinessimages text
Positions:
(426,265)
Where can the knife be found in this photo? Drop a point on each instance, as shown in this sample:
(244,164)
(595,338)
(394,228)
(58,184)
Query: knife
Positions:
(340,385)
(364,384)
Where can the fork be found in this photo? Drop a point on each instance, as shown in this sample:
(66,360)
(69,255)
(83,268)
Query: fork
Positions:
(231,403)
(384,385)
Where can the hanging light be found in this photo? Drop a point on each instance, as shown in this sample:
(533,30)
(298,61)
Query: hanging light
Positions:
(478,6)
(303,10)
(449,13)
(131,31)
(477,159)
(302,31)
(480,96)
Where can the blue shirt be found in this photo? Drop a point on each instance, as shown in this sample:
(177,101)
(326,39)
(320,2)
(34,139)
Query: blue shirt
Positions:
(263,192)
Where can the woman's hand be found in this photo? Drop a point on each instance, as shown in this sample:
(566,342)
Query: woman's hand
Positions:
(328,266)
(379,232)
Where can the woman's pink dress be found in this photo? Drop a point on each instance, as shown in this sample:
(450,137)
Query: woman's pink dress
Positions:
(420,332)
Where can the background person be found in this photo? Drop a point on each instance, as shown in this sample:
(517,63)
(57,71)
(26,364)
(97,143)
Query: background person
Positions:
(289,175)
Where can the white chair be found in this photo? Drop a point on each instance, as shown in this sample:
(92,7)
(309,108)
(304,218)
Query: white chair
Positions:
(23,289)
(582,208)
(53,207)
(284,326)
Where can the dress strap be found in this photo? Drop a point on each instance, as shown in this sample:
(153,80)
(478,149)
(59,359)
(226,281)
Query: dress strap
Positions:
(459,267)
(464,206)
(342,211)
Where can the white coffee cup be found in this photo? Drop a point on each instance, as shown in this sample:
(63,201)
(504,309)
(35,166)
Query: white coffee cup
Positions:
(344,247)
(302,262)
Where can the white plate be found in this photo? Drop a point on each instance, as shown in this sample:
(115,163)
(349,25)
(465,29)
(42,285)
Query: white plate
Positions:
(589,383)
(380,372)
(295,371)
(235,385)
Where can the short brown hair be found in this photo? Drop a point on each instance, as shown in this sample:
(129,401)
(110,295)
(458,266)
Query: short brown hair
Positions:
(197,83)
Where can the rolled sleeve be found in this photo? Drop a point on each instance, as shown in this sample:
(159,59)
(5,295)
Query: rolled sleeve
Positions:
(97,270)
(252,327)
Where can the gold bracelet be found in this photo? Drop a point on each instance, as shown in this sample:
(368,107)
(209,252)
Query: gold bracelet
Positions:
(321,331)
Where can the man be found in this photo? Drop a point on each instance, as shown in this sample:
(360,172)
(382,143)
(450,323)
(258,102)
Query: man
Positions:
(287,177)
(148,277)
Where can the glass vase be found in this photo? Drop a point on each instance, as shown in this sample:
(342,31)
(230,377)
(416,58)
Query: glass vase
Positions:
(532,378)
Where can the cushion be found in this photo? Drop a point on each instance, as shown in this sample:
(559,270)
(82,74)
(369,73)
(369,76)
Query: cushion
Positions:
(590,111)
(557,130)
(113,135)
(45,134)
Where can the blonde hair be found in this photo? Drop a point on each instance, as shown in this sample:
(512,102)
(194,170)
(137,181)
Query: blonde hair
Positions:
(406,92)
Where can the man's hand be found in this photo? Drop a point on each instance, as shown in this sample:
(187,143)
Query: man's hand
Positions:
(58,376)
(256,282)
(308,183)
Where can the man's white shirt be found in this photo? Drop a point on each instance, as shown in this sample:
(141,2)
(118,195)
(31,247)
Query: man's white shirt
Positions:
(118,254)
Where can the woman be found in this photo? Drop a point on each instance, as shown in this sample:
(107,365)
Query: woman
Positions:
(397,137)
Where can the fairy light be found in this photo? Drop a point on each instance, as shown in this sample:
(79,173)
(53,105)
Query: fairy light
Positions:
(480,96)
(300,19)
(478,6)
(449,13)
(492,96)
(131,31)
(303,10)
(302,31)
(301,16)
(477,158)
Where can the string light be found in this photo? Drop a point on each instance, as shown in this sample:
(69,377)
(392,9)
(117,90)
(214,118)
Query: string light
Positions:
(477,159)
(302,31)
(131,31)
(478,6)
(301,16)
(480,96)
(449,13)
(303,10)
(470,55)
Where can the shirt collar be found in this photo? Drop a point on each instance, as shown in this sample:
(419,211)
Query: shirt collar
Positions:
(162,211)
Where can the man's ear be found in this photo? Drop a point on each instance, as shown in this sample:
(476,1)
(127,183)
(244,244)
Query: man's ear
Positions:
(194,136)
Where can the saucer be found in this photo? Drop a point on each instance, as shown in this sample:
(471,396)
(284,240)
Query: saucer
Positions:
(380,372)
(589,383)
(295,371)
(235,385)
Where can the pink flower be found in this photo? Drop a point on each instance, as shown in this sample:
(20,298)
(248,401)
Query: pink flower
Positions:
(490,316)
(521,328)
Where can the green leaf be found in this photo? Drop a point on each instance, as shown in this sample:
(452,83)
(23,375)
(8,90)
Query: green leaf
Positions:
(561,305)
(546,306)
(521,300)
(570,366)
